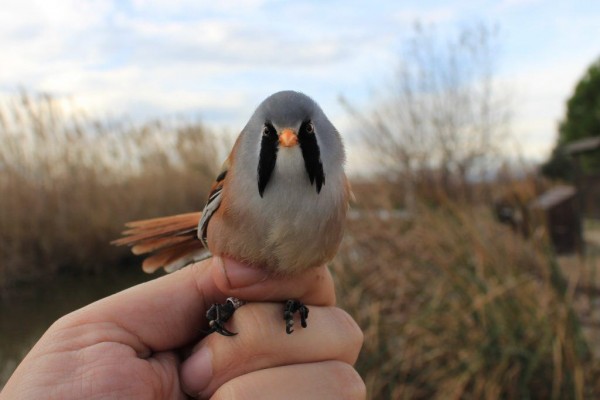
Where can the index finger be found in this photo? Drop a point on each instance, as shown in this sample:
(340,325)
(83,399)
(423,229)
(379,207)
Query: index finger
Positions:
(169,312)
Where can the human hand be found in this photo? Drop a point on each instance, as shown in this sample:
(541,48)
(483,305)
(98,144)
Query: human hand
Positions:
(128,345)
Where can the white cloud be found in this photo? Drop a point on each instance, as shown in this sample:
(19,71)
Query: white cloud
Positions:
(150,58)
(191,6)
(438,15)
(541,89)
(39,38)
(517,3)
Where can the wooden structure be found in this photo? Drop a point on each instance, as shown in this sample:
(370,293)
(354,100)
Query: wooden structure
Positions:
(559,209)
(587,182)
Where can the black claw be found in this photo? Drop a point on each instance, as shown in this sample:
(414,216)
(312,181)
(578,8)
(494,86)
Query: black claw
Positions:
(291,307)
(218,314)
(221,330)
(303,315)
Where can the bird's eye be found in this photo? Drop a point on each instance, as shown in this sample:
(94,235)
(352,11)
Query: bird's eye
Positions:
(265,130)
(310,128)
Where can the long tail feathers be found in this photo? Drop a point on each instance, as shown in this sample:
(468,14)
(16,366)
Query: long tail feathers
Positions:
(172,241)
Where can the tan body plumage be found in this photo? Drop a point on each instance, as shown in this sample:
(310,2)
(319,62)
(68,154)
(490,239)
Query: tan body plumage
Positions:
(293,222)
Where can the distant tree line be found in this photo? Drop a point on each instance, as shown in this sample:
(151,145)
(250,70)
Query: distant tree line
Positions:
(581,120)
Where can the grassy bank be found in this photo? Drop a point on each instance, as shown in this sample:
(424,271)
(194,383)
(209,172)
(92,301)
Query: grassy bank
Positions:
(68,184)
(455,306)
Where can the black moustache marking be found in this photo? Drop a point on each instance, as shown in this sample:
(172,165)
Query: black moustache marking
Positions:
(268,156)
(312,156)
(221,176)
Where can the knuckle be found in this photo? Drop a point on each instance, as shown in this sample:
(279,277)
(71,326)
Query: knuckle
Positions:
(230,391)
(349,383)
(225,392)
(320,287)
(353,335)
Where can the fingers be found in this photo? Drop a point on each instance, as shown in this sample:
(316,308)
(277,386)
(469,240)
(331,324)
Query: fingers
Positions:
(151,317)
(165,377)
(314,286)
(262,343)
(320,380)
(169,312)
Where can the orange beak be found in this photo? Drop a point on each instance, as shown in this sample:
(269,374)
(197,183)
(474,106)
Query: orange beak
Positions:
(288,138)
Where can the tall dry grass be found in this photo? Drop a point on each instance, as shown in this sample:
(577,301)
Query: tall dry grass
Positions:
(456,306)
(452,304)
(68,183)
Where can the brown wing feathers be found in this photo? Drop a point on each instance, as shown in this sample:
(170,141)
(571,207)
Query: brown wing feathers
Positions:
(148,246)
(172,240)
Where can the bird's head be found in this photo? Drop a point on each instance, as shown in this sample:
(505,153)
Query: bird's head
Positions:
(290,121)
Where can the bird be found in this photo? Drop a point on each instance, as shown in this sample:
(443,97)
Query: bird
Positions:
(278,203)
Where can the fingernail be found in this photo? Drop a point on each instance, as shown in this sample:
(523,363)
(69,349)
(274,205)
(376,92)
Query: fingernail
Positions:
(239,275)
(196,372)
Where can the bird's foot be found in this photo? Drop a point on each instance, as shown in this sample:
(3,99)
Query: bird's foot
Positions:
(291,307)
(218,314)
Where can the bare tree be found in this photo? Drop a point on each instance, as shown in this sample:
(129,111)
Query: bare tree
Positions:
(443,116)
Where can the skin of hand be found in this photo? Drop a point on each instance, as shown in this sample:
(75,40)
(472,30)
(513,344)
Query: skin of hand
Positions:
(138,343)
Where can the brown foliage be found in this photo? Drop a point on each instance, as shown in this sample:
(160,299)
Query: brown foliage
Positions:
(454,305)
(69,183)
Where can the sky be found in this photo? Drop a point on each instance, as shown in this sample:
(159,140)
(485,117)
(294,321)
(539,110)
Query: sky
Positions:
(145,59)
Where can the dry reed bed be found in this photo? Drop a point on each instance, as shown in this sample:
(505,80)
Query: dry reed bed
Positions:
(68,183)
(454,306)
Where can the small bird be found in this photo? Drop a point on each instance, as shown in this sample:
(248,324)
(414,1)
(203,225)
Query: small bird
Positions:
(279,203)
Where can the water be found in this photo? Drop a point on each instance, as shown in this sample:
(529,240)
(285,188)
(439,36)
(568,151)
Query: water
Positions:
(28,310)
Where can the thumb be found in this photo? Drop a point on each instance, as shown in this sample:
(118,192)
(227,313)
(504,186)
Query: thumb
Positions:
(312,286)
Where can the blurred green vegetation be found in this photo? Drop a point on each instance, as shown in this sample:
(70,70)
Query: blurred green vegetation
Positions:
(581,121)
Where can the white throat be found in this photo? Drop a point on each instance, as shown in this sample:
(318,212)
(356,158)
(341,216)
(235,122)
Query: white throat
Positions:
(289,169)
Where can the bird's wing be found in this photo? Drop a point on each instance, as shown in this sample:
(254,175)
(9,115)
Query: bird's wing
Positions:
(214,199)
(171,241)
